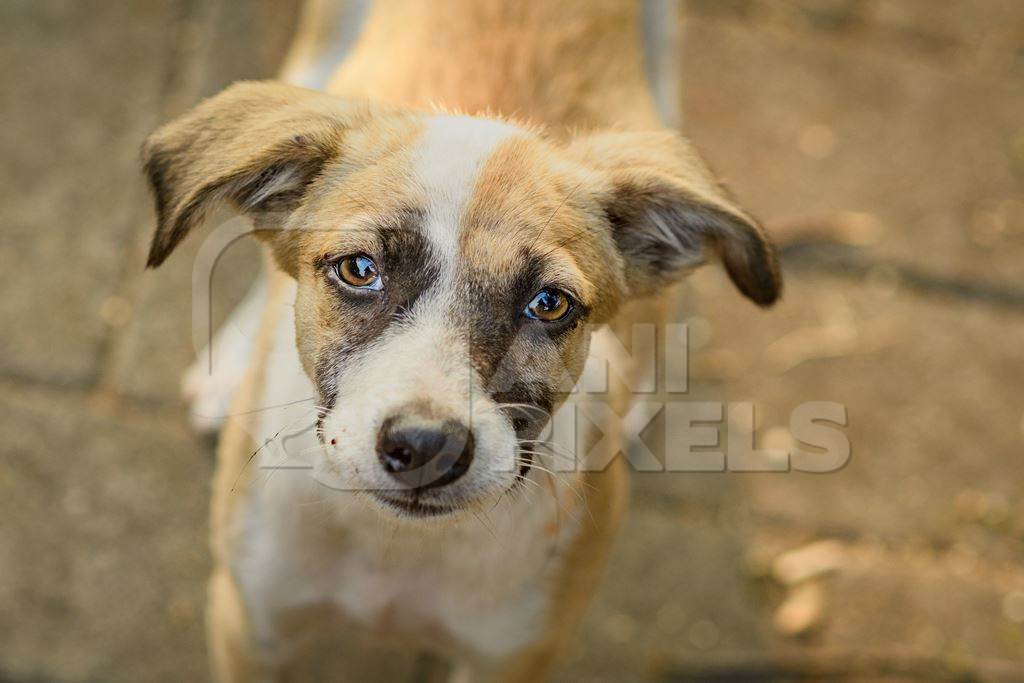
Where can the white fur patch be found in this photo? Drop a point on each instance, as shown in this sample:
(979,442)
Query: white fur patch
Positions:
(446,162)
(420,361)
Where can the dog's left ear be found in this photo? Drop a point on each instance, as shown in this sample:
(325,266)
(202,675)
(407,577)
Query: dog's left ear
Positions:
(665,208)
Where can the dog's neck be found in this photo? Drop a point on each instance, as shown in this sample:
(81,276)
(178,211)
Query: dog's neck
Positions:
(564,63)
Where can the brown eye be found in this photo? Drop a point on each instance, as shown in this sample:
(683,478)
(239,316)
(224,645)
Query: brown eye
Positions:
(359,271)
(549,305)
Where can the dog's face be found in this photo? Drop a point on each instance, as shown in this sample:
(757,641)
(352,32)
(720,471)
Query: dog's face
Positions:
(448,267)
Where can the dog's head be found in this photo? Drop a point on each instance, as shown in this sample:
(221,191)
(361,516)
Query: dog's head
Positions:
(448,267)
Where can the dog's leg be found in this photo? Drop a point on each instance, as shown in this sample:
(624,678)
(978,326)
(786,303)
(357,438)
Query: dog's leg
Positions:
(232,655)
(236,653)
(240,635)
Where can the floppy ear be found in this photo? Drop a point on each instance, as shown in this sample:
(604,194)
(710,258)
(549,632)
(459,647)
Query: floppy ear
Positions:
(665,208)
(257,145)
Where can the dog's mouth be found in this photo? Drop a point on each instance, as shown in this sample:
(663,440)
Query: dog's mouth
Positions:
(413,506)
(423,504)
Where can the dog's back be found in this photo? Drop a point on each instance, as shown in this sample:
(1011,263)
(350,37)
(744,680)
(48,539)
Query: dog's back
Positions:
(579,63)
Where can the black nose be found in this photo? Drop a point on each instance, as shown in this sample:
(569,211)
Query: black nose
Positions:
(424,454)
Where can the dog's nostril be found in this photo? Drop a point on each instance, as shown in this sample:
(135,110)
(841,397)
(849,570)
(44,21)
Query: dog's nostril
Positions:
(424,454)
(397,458)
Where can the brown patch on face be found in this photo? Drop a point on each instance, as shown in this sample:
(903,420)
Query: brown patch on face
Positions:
(368,208)
(529,202)
(337,322)
(527,228)
(351,319)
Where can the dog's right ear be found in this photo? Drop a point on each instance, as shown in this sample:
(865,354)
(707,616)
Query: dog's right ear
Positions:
(257,145)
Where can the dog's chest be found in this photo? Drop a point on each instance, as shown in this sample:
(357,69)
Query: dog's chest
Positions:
(478,586)
(473,589)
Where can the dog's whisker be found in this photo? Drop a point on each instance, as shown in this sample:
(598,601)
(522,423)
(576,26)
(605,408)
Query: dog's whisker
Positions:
(551,449)
(484,524)
(265,409)
(526,480)
(563,480)
(547,443)
(551,445)
(546,454)
(524,406)
(553,476)
(554,213)
(261,447)
(520,487)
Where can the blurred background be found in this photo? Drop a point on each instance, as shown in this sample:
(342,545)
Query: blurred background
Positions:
(901,121)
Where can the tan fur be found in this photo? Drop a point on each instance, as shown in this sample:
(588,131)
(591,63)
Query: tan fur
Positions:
(522,186)
(567,65)
(508,57)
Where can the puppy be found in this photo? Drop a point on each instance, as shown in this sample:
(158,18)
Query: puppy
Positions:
(436,282)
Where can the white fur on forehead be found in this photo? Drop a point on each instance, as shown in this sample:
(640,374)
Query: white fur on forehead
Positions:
(446,160)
